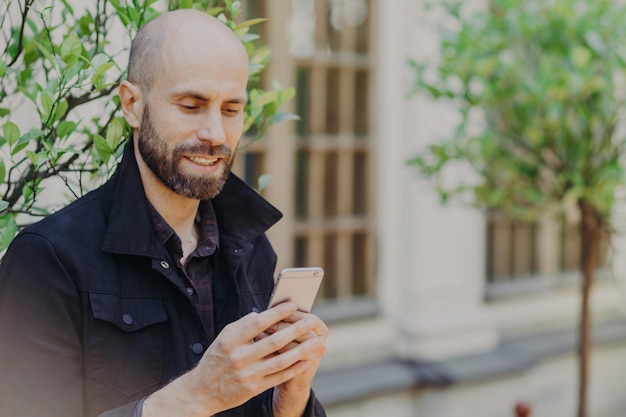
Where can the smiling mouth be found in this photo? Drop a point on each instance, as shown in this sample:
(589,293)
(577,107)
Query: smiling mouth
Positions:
(203,161)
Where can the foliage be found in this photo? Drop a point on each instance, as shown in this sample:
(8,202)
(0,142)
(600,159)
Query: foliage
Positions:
(546,80)
(540,88)
(59,111)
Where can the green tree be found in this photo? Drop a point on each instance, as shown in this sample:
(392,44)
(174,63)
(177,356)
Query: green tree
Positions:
(59,111)
(546,80)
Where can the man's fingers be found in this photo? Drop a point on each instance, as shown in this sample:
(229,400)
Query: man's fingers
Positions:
(320,328)
(292,361)
(250,326)
(268,343)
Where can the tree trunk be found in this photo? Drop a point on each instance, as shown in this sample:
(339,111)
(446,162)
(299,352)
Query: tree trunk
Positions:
(591,234)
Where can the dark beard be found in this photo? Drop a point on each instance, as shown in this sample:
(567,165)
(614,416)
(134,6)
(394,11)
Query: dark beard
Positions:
(165,164)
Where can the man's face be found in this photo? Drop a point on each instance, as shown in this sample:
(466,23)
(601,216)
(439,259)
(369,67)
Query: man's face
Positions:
(164,160)
(193,116)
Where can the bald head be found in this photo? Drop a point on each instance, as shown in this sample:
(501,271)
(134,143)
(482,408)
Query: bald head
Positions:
(162,35)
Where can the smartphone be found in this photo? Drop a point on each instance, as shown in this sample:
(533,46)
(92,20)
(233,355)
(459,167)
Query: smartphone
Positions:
(299,285)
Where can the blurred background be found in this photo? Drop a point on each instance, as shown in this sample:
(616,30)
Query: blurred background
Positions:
(435,310)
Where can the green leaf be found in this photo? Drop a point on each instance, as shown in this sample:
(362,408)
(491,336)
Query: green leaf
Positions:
(98,81)
(31,134)
(84,24)
(264,181)
(68,7)
(135,17)
(251,22)
(214,11)
(65,128)
(71,48)
(61,109)
(265,97)
(104,67)
(47,53)
(27,191)
(100,59)
(8,230)
(26,139)
(287,94)
(261,55)
(114,133)
(37,158)
(281,117)
(123,15)
(3,173)
(11,133)
(102,148)
(581,57)
(249,37)
(73,70)
(46,103)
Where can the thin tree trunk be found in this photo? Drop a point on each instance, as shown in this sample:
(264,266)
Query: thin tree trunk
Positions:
(591,233)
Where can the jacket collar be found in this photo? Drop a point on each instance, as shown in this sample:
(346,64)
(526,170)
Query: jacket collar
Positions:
(242,214)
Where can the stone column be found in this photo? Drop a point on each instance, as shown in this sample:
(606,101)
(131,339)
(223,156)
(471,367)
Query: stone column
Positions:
(432,267)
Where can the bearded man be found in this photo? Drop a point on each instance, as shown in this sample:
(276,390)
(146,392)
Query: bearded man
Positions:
(146,297)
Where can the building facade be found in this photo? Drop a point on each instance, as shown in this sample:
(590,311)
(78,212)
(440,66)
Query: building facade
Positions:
(434,310)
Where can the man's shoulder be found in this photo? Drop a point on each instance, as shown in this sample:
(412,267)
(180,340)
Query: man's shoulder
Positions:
(84,216)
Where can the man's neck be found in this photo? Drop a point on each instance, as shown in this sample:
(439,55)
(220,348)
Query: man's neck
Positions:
(178,211)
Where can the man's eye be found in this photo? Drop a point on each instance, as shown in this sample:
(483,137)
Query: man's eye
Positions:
(231,111)
(188,106)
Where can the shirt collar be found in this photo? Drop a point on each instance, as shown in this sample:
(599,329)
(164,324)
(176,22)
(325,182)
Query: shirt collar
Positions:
(208,240)
(240,212)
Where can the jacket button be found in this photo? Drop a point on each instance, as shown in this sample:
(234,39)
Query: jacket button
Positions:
(127,319)
(165,265)
(197,348)
(189,290)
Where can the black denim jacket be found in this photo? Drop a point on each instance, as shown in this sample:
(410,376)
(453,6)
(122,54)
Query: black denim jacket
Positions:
(93,317)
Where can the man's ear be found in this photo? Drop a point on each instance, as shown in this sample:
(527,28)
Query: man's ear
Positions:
(131,100)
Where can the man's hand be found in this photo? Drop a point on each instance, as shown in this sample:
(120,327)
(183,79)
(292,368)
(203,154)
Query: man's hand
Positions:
(290,397)
(241,364)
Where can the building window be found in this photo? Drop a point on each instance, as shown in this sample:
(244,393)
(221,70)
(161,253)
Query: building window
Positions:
(327,44)
(533,256)
(333,187)
(512,249)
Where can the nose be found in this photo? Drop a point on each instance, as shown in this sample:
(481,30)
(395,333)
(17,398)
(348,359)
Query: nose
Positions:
(212,128)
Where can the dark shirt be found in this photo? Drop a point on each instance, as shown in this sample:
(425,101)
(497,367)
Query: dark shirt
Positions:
(197,273)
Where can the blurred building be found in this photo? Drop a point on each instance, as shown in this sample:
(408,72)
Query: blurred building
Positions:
(434,311)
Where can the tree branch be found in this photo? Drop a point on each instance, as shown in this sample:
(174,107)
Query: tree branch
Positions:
(20,44)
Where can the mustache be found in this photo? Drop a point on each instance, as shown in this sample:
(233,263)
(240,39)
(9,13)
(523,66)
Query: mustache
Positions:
(206,150)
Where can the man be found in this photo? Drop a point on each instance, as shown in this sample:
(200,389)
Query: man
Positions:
(143,297)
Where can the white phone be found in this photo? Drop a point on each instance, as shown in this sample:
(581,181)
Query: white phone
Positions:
(299,285)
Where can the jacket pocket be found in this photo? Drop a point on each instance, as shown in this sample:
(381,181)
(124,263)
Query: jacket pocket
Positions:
(126,337)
